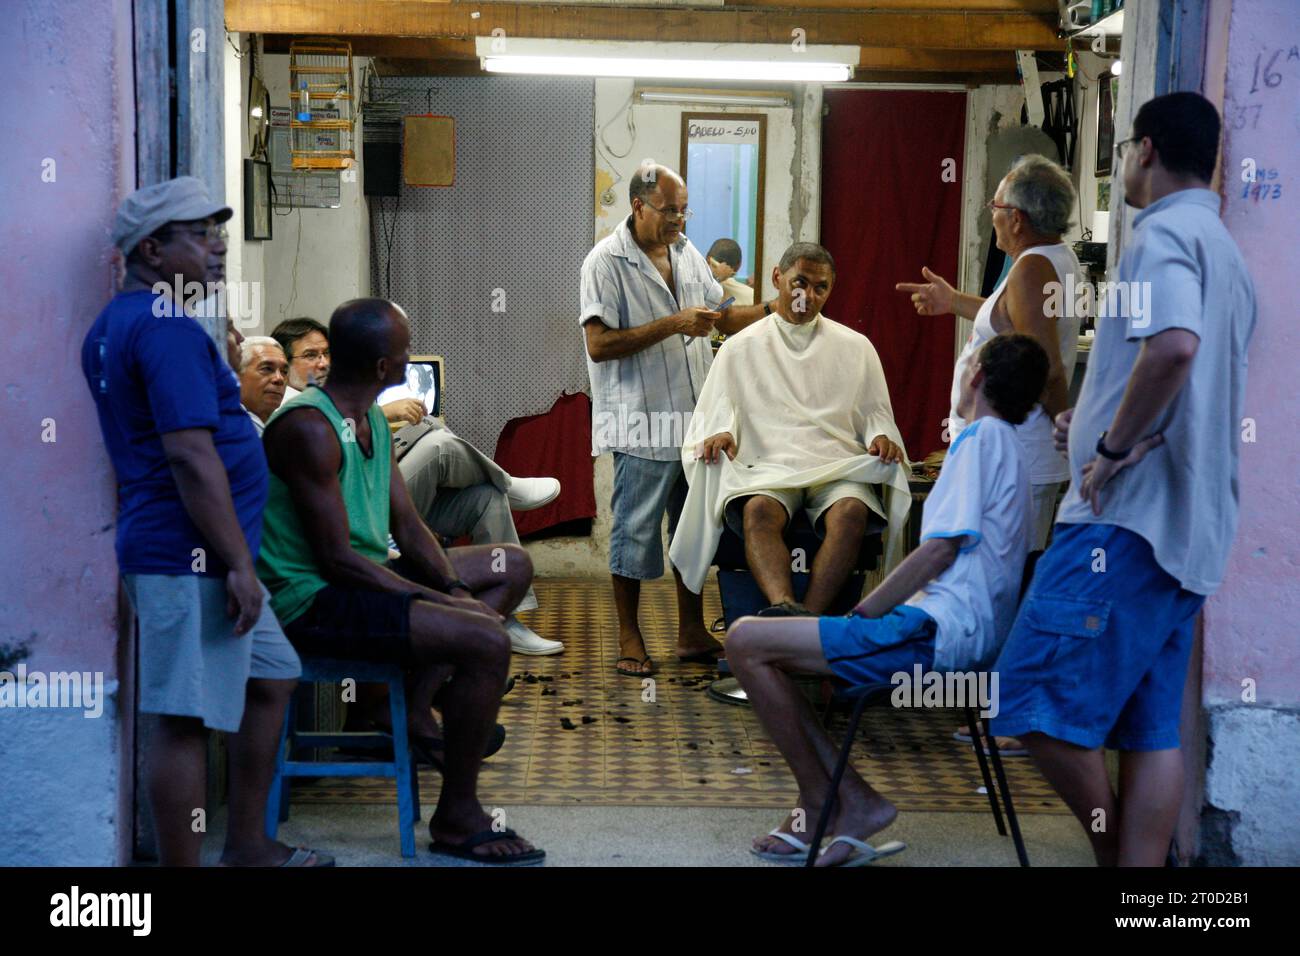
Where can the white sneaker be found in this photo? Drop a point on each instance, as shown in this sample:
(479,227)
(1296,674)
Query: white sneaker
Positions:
(524,640)
(525,494)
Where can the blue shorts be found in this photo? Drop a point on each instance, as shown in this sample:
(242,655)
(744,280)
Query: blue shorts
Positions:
(870,650)
(644,490)
(1098,657)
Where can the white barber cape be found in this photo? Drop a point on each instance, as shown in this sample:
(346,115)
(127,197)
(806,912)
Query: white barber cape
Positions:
(802,402)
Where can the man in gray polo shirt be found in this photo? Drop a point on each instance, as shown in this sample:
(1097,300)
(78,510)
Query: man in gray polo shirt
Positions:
(1098,654)
(648,304)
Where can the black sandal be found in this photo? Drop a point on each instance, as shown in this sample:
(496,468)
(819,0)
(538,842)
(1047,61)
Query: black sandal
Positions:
(642,661)
(465,850)
(430,750)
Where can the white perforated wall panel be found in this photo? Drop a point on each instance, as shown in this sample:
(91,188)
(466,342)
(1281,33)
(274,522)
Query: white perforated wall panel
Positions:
(488,268)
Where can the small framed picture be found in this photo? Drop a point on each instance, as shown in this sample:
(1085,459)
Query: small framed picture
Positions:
(257,199)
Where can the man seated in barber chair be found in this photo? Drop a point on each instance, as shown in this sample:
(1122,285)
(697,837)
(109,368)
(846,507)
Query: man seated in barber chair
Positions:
(794,414)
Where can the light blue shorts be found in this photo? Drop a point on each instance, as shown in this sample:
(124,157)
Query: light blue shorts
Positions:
(644,490)
(1098,657)
(191,662)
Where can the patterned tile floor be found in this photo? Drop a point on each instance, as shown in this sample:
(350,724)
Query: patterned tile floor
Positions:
(581,734)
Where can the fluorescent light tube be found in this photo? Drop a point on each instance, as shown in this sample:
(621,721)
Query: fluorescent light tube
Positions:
(670,69)
(773,62)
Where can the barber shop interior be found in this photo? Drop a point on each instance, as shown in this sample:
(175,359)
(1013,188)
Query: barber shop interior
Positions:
(704,433)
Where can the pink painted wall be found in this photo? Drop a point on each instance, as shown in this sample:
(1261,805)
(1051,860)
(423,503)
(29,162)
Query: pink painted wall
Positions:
(1252,625)
(70,99)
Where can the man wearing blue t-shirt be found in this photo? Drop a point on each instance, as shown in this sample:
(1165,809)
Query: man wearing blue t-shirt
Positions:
(945,609)
(192,483)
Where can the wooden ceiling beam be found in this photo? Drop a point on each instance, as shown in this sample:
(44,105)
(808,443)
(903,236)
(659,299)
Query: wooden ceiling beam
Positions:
(395,49)
(1037,7)
(944,30)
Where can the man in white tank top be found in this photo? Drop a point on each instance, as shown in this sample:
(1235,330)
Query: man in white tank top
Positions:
(1031,209)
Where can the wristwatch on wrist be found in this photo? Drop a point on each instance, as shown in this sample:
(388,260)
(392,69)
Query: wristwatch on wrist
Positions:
(457,585)
(1107,453)
(767,308)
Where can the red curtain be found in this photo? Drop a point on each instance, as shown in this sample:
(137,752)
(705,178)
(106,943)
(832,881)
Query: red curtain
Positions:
(887,210)
(556,444)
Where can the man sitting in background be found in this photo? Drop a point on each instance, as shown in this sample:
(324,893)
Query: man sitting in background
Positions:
(801,405)
(335,495)
(724,263)
(263,374)
(946,608)
(456,488)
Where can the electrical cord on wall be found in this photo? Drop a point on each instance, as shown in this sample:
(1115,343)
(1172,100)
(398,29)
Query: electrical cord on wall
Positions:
(388,236)
(293,288)
(601,142)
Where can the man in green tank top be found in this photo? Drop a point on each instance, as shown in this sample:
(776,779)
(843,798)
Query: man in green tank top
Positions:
(336,493)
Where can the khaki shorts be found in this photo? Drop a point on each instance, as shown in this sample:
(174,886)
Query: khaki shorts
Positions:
(814,501)
(191,662)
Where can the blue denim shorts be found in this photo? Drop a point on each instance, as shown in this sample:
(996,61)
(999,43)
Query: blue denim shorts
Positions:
(870,650)
(1098,657)
(643,491)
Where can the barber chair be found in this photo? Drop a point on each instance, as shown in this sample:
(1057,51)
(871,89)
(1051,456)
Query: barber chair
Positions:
(741,595)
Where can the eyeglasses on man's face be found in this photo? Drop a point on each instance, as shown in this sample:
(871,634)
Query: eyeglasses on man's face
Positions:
(1122,146)
(312,356)
(210,233)
(672,212)
(993,204)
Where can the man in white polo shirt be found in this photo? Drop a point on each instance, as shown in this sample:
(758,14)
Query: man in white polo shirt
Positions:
(648,304)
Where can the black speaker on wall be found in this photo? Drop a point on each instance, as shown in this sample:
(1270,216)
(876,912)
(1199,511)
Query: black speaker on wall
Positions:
(381,168)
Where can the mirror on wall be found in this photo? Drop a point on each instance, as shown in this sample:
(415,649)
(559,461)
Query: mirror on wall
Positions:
(722,160)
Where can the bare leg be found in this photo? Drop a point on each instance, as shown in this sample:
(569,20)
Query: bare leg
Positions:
(1079,776)
(478,650)
(177,773)
(499,575)
(1150,795)
(765,548)
(252,767)
(627,601)
(763,653)
(846,523)
(692,636)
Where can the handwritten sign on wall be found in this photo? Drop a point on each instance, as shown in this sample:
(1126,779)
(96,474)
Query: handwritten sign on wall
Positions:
(722,131)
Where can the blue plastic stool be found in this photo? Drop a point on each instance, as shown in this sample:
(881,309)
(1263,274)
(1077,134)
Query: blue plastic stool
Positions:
(401,768)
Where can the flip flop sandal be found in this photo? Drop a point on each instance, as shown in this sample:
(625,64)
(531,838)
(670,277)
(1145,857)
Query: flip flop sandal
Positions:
(642,661)
(301,855)
(775,856)
(866,852)
(430,750)
(465,850)
(701,657)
